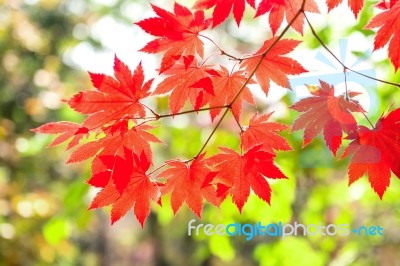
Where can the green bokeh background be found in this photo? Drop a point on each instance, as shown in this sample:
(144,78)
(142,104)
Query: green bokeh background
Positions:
(43,203)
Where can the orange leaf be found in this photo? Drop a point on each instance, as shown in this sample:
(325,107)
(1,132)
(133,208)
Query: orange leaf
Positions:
(178,34)
(328,113)
(275,65)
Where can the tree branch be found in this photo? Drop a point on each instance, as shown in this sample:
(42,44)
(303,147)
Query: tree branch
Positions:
(338,60)
(263,55)
(157,116)
(212,133)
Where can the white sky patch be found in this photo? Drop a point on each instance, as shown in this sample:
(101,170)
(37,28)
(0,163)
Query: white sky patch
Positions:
(105,2)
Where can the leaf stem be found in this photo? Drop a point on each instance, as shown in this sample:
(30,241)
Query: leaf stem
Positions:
(205,60)
(222,51)
(158,168)
(345,84)
(366,117)
(348,99)
(238,123)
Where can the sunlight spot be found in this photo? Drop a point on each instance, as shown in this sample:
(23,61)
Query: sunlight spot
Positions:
(356,191)
(24,208)
(41,207)
(22,144)
(7,231)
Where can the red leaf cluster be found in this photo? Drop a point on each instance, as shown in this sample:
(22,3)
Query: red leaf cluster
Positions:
(388,23)
(376,152)
(178,34)
(117,131)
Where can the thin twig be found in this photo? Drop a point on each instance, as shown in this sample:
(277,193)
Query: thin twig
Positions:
(157,116)
(376,79)
(148,108)
(263,55)
(194,111)
(338,60)
(212,133)
(222,51)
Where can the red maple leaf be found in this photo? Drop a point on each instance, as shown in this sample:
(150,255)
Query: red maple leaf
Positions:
(109,153)
(389,23)
(226,86)
(275,65)
(223,8)
(264,133)
(328,113)
(180,80)
(113,99)
(139,192)
(355,5)
(285,8)
(118,169)
(178,34)
(137,139)
(238,173)
(376,152)
(66,130)
(188,183)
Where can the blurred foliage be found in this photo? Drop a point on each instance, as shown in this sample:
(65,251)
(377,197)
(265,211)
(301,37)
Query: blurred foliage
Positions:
(43,203)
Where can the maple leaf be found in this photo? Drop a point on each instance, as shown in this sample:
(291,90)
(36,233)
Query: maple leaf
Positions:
(284,8)
(180,80)
(66,130)
(188,183)
(226,86)
(328,113)
(118,169)
(140,190)
(113,99)
(355,5)
(178,34)
(109,153)
(375,152)
(137,139)
(223,8)
(264,133)
(275,65)
(388,23)
(239,173)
